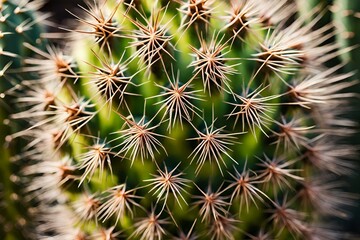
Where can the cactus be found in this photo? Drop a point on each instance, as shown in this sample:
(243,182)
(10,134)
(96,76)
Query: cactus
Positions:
(192,119)
(20,22)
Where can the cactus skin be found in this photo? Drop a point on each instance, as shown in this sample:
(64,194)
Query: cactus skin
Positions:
(19,23)
(346,18)
(222,129)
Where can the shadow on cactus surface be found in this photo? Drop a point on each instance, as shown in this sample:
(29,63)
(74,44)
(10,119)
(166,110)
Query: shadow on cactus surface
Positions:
(184,119)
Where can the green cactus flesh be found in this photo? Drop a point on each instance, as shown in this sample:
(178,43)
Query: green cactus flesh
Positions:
(190,119)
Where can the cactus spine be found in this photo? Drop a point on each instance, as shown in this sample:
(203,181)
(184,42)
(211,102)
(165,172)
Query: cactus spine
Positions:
(192,119)
(20,22)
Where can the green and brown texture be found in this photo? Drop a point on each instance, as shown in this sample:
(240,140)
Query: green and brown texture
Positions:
(20,24)
(190,119)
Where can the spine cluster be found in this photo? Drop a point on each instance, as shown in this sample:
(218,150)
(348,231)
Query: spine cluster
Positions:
(186,119)
(20,24)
